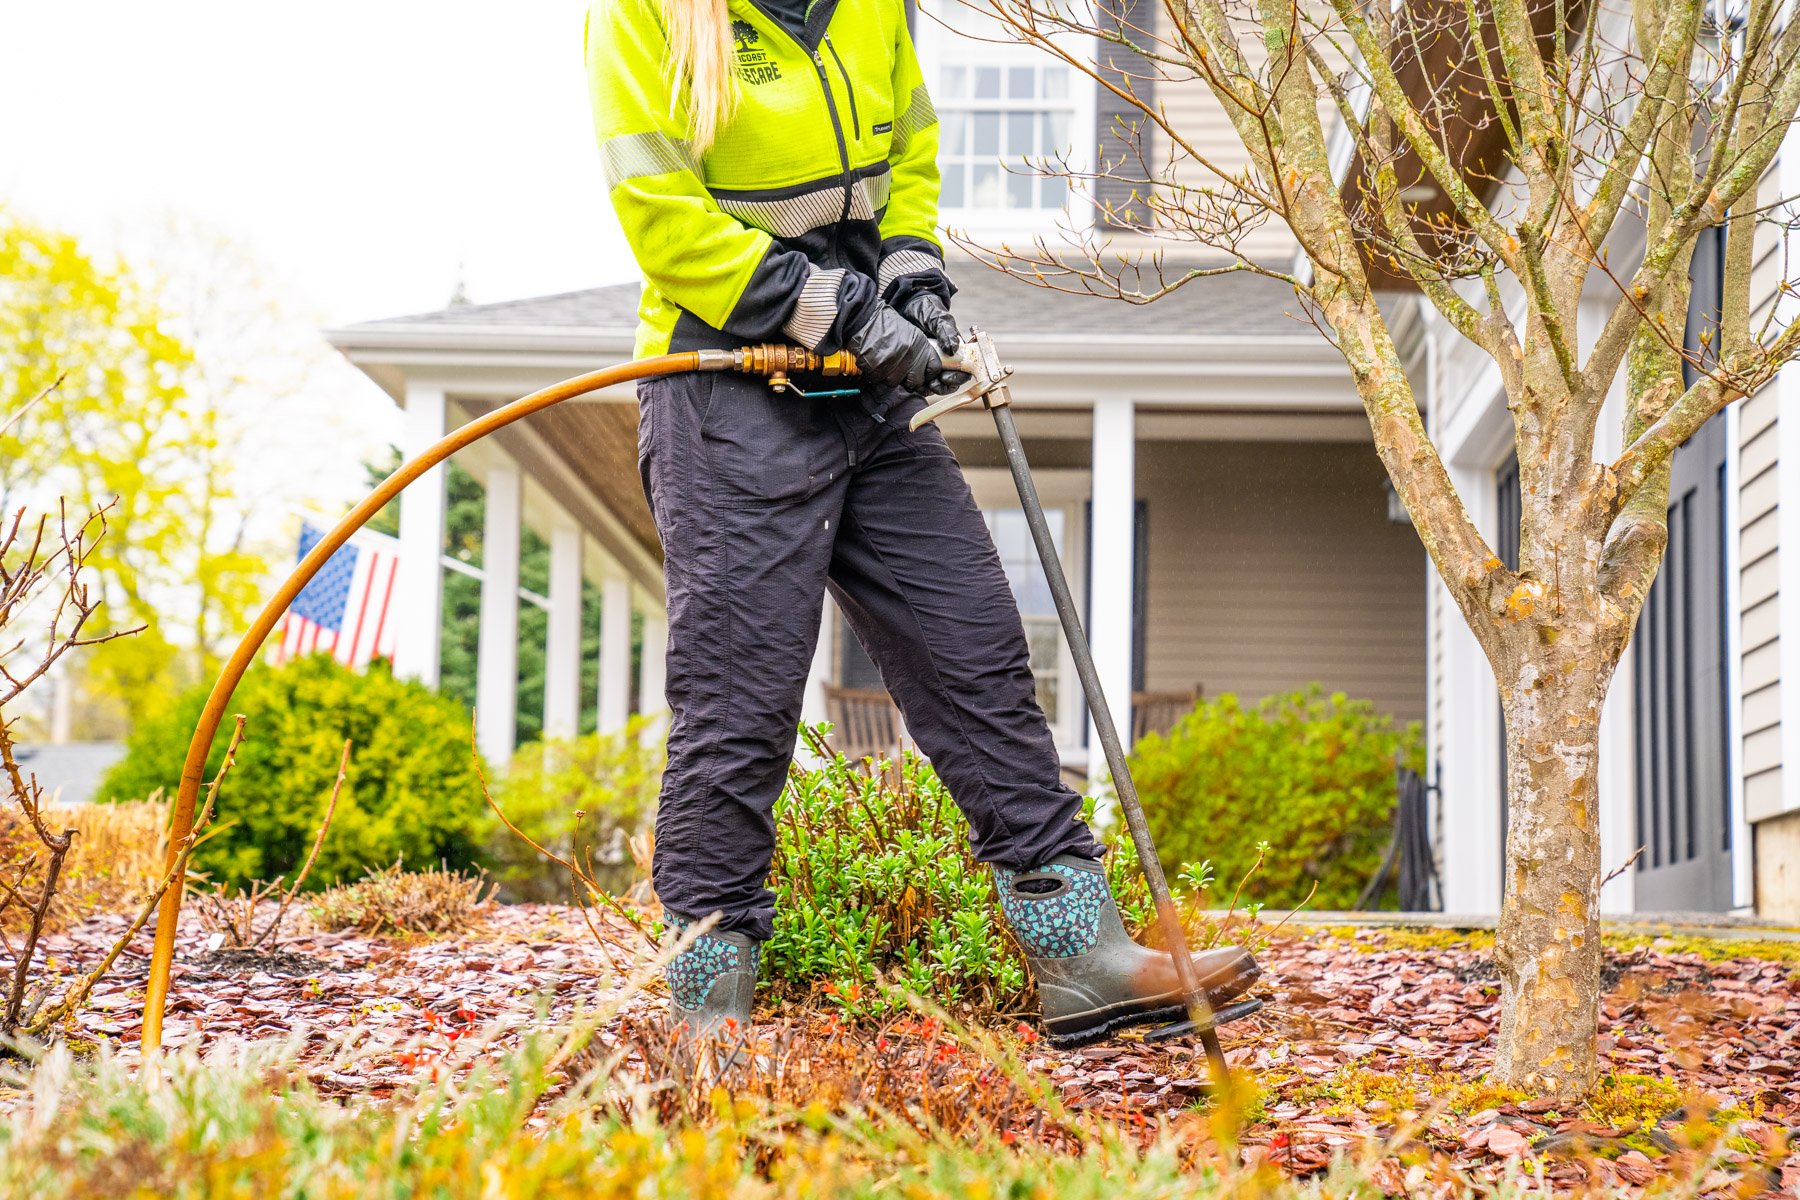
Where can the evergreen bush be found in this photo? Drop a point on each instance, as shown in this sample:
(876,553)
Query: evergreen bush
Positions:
(874,881)
(1308,773)
(412,789)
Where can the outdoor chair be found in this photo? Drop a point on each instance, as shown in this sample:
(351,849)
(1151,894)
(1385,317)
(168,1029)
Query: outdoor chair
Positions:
(865,723)
(1157,712)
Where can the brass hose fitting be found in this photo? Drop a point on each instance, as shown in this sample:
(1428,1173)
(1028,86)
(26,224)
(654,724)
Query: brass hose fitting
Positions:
(776,362)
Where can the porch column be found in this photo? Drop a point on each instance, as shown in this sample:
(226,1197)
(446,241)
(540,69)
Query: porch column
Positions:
(1112,545)
(497,657)
(419,587)
(562,654)
(615,650)
(653,701)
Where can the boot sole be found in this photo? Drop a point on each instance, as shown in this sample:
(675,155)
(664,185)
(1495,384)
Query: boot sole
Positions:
(1097,1024)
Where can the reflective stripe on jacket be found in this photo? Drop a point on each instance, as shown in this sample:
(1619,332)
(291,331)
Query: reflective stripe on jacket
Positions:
(830,162)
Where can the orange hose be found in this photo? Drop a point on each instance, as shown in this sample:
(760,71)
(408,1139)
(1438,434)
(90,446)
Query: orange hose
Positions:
(162,958)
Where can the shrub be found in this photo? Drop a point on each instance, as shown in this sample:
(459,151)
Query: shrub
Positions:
(873,877)
(1310,774)
(395,900)
(412,789)
(874,882)
(585,800)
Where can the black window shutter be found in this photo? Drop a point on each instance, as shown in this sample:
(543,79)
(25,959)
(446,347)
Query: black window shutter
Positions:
(1122,127)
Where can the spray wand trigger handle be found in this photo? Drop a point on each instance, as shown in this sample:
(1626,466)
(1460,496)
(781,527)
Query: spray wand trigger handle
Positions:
(977,359)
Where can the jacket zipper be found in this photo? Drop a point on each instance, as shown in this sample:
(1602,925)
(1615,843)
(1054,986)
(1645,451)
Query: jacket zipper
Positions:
(855,119)
(837,127)
(837,122)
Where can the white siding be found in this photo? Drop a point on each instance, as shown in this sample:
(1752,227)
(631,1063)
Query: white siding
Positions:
(1759,554)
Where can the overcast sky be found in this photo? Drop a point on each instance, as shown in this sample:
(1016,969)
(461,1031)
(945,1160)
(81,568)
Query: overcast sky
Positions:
(364,148)
(369,154)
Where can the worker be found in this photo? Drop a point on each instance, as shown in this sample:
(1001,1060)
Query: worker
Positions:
(773,164)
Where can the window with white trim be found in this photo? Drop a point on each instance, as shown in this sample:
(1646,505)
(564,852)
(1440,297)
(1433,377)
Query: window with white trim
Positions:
(995,120)
(1025,574)
(1001,106)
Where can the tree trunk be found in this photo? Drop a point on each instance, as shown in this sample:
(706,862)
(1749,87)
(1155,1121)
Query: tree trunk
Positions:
(1548,945)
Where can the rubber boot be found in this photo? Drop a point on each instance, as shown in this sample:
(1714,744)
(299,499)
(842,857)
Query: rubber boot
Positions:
(712,986)
(1092,978)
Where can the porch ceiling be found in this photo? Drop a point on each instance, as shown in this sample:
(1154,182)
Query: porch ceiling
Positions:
(605,436)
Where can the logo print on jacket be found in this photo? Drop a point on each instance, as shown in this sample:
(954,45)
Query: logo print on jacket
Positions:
(752,60)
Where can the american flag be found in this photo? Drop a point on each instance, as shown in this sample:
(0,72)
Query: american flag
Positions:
(346,611)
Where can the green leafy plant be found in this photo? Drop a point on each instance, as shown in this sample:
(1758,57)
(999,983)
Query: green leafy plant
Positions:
(874,883)
(586,800)
(412,790)
(1303,780)
(875,887)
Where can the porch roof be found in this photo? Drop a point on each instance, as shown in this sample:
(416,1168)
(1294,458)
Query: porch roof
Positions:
(1238,304)
(1234,343)
(1257,347)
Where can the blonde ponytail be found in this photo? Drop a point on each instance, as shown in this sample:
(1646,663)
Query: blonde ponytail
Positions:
(702,65)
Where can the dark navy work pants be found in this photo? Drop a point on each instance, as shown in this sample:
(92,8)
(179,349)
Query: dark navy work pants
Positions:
(764,501)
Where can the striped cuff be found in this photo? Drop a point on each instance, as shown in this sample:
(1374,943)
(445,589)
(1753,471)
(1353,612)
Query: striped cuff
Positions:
(905,262)
(817,309)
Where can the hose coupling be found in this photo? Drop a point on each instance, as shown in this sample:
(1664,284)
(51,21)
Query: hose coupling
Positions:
(776,362)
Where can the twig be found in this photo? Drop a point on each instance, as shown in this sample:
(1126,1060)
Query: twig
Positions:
(78,993)
(1624,866)
(313,856)
(1296,909)
(31,404)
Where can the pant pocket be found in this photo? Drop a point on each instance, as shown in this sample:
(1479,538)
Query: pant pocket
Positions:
(763,447)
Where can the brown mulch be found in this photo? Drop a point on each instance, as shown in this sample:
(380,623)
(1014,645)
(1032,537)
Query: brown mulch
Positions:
(1363,1046)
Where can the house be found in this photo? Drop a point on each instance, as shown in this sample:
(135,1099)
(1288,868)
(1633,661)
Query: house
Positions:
(1700,753)
(1210,477)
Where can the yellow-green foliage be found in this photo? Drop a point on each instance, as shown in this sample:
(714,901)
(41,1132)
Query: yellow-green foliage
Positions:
(1357,1089)
(1711,949)
(1632,1102)
(1354,1089)
(126,427)
(1370,940)
(248,1123)
(584,799)
(1428,938)
(1311,774)
(1476,1095)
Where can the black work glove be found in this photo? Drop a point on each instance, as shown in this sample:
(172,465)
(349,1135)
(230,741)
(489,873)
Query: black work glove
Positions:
(932,315)
(895,351)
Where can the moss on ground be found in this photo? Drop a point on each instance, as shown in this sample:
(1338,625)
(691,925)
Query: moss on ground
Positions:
(1374,939)
(1632,1103)
(1355,1089)
(1709,948)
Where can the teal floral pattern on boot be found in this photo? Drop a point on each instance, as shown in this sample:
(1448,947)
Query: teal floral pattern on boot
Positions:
(692,973)
(1061,922)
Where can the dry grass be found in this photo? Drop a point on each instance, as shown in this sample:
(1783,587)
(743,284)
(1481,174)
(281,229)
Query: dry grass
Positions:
(116,858)
(395,900)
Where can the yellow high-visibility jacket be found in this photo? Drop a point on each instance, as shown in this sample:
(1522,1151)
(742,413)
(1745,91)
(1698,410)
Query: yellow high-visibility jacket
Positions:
(827,172)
